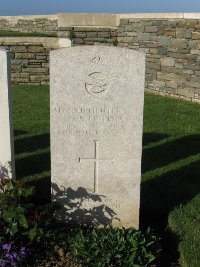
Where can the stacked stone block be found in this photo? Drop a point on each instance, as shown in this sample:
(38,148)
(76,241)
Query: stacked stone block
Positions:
(30,63)
(81,35)
(42,25)
(172,53)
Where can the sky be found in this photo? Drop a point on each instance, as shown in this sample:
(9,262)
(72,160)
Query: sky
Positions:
(34,7)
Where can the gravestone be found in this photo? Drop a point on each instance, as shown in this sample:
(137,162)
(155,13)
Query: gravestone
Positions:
(96,134)
(7,168)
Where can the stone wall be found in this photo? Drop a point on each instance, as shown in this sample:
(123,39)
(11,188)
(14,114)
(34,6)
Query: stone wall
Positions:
(172,50)
(89,35)
(30,58)
(171,43)
(43,24)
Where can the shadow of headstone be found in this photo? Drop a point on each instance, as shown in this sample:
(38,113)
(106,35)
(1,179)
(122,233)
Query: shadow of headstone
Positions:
(82,208)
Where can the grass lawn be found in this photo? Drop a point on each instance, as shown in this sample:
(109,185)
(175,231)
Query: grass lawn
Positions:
(4,33)
(170,190)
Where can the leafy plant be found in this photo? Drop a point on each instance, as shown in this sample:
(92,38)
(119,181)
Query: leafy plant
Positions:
(12,213)
(115,42)
(114,247)
(19,218)
(56,237)
(71,34)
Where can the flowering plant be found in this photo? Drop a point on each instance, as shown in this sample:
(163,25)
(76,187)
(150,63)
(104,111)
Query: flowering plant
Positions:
(11,256)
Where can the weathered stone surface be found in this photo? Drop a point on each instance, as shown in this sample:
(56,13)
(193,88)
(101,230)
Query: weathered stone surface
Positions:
(162,50)
(125,39)
(38,78)
(121,29)
(170,76)
(167,61)
(190,72)
(133,34)
(80,35)
(104,34)
(128,28)
(7,166)
(195,51)
(192,66)
(144,36)
(156,85)
(196,35)
(153,51)
(124,21)
(171,84)
(151,29)
(153,66)
(136,27)
(170,33)
(18,48)
(96,133)
(179,43)
(36,48)
(179,66)
(25,55)
(185,91)
(163,41)
(182,33)
(87,19)
(92,34)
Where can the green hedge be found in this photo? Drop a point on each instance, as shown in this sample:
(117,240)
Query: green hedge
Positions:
(185,222)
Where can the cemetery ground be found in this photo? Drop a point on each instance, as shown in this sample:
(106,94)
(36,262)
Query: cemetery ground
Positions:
(170,194)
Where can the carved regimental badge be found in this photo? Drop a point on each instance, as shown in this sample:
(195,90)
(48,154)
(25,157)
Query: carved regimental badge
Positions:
(97,83)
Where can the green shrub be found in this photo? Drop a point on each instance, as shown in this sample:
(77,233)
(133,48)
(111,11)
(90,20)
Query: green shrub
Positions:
(71,34)
(114,247)
(185,223)
(115,42)
(21,220)
(12,213)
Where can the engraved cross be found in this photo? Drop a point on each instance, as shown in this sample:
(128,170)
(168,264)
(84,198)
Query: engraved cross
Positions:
(96,161)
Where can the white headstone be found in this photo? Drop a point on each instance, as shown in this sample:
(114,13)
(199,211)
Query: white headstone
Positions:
(7,166)
(96,133)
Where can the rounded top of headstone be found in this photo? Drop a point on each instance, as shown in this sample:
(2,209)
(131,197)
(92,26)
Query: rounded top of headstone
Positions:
(100,49)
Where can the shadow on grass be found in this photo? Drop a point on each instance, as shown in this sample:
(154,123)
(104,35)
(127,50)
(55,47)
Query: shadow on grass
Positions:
(159,196)
(149,138)
(32,143)
(42,194)
(19,132)
(163,193)
(170,152)
(32,165)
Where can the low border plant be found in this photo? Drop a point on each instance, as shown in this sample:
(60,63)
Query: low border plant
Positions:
(114,247)
(22,223)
